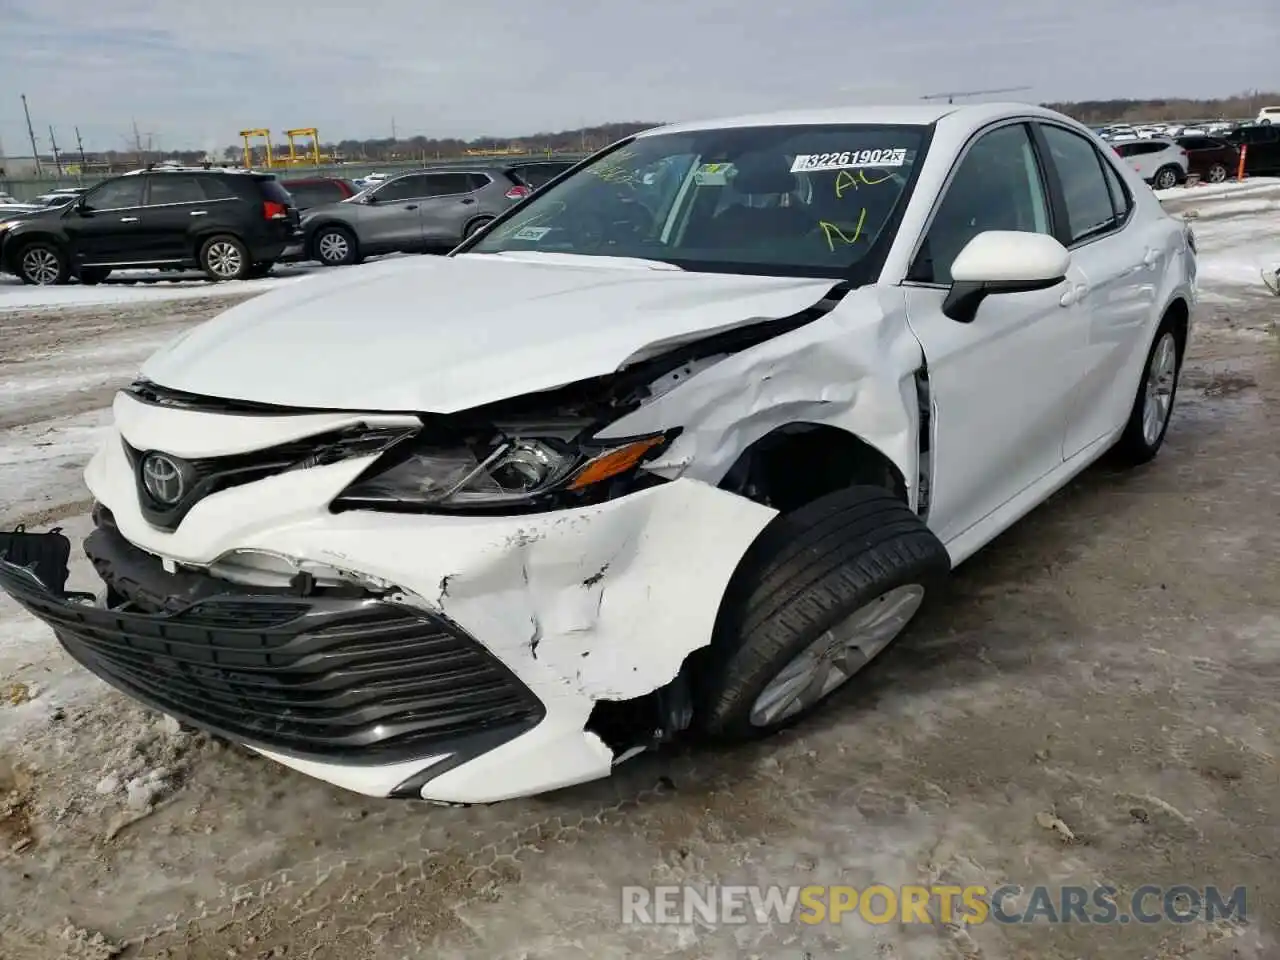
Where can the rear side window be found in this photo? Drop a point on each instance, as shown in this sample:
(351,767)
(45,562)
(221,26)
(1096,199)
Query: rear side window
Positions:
(447,184)
(536,175)
(216,188)
(167,188)
(1121,199)
(1084,185)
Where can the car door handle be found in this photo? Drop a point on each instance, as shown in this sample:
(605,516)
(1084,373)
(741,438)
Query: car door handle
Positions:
(128,219)
(1074,295)
(467,200)
(412,206)
(1152,257)
(199,213)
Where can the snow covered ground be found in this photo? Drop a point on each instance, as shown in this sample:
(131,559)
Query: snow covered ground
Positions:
(141,286)
(1059,679)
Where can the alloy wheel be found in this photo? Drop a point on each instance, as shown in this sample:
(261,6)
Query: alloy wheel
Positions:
(224,259)
(1158,396)
(333,247)
(839,653)
(40,265)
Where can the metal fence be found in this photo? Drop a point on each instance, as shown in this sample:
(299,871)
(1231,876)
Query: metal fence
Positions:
(27,189)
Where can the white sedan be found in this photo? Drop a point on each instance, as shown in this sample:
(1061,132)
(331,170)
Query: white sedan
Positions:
(646,456)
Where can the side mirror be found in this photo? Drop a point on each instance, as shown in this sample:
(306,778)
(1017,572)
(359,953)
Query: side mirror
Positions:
(1003,261)
(371,198)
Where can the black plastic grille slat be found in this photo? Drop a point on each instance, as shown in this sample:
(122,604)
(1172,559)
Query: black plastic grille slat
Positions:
(357,681)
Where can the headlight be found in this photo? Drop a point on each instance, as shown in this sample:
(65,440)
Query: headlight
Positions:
(515,470)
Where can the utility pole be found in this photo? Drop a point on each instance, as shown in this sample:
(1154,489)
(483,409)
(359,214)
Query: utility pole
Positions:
(137,144)
(35,153)
(80,146)
(53,143)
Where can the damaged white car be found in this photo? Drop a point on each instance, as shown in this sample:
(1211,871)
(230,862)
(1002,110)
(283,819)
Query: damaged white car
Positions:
(678,444)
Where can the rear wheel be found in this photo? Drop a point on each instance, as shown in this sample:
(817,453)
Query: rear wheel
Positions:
(1217,173)
(90,276)
(334,246)
(476,225)
(1153,406)
(1166,178)
(42,264)
(225,258)
(820,593)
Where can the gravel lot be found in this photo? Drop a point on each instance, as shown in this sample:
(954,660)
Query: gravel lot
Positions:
(1112,661)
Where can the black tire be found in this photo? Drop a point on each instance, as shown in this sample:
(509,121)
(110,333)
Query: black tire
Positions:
(1166,178)
(807,572)
(224,257)
(334,246)
(475,225)
(1217,173)
(42,264)
(92,276)
(261,269)
(1137,445)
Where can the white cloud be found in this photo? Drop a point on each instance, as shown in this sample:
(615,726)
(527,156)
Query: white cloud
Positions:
(198,73)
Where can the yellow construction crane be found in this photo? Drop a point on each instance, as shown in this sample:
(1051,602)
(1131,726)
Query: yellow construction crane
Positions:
(315,144)
(248,135)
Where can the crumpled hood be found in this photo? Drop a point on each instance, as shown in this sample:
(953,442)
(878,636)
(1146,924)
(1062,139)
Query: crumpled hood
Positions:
(440,335)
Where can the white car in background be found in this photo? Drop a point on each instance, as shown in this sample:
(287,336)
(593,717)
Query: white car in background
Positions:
(1268,115)
(1158,160)
(618,468)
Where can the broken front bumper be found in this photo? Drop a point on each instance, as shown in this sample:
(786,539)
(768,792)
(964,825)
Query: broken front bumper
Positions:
(474,678)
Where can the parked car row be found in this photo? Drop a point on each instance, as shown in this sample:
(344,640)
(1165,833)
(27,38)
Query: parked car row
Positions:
(1166,161)
(235,224)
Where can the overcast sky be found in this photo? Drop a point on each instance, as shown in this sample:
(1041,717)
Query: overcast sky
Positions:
(195,72)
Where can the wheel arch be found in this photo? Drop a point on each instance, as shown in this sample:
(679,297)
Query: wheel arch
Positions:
(312,229)
(797,463)
(15,243)
(205,234)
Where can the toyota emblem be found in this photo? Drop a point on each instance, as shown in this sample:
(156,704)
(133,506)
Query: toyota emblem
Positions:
(162,478)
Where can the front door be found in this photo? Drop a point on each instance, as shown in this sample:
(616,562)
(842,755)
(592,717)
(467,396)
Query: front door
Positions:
(999,385)
(104,227)
(393,221)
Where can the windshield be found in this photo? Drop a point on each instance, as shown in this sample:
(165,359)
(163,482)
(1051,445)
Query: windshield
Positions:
(785,200)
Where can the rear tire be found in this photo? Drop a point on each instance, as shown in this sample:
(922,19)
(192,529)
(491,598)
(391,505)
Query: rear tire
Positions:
(1152,410)
(334,247)
(42,264)
(224,257)
(1166,178)
(826,587)
(475,226)
(92,276)
(1217,173)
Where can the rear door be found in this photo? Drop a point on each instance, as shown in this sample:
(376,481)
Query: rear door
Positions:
(176,204)
(451,204)
(1121,260)
(106,229)
(393,221)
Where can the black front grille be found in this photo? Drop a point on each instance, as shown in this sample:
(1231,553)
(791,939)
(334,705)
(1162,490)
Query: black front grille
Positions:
(362,681)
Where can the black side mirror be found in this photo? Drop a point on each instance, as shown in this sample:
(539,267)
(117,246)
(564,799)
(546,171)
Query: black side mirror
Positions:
(372,198)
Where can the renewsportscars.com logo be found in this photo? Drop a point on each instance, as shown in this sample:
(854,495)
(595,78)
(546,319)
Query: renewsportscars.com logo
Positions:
(880,904)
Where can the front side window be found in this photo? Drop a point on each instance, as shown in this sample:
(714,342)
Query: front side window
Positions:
(403,188)
(800,200)
(116,194)
(997,186)
(1084,187)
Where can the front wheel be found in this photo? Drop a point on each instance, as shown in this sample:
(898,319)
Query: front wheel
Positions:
(1217,173)
(43,265)
(821,592)
(1149,418)
(1166,178)
(225,258)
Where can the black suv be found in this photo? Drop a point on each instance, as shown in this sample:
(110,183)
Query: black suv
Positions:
(231,224)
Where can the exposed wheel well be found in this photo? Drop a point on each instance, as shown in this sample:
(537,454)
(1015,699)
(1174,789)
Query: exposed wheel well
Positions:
(796,464)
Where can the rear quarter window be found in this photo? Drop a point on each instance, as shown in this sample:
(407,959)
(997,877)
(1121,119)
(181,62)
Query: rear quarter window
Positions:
(314,194)
(273,191)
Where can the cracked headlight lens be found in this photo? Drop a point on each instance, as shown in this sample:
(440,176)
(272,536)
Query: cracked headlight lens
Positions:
(516,471)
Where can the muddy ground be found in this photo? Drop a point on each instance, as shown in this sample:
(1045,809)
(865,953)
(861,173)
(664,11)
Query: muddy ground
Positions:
(1112,662)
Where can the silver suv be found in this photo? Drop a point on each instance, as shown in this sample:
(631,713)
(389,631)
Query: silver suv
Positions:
(423,211)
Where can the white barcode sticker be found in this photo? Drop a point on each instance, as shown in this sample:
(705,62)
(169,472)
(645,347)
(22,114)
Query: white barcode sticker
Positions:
(849,160)
(531,233)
